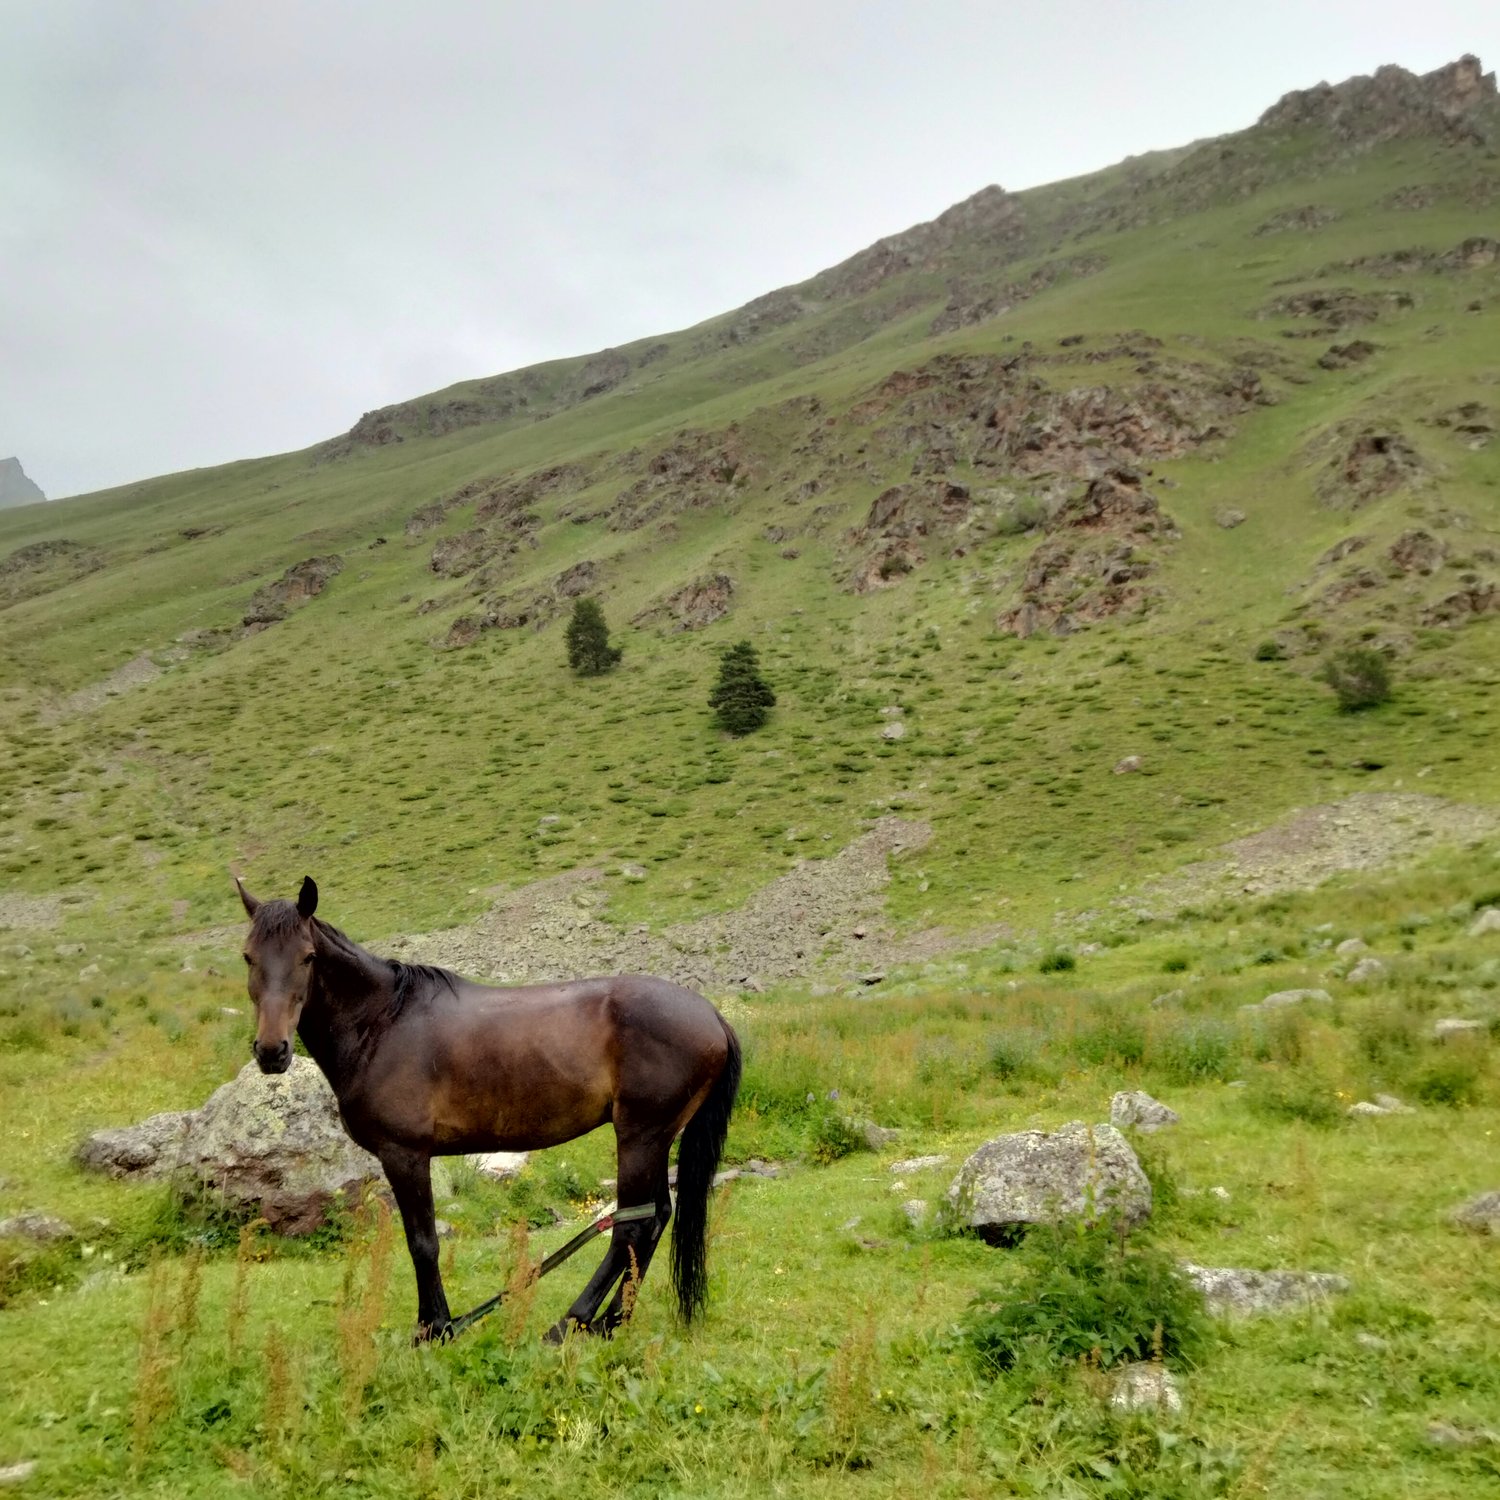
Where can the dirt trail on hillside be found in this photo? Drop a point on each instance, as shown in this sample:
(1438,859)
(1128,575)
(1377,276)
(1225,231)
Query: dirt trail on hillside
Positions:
(1361,832)
(801,923)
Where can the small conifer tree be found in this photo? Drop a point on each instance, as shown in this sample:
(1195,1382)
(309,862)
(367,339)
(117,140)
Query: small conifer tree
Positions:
(741,697)
(589,651)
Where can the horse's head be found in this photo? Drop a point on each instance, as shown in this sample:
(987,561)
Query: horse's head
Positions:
(279,956)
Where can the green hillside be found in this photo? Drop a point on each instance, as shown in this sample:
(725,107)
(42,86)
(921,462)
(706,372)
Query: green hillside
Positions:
(1080,487)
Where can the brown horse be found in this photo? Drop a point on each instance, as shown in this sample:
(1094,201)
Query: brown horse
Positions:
(426,1064)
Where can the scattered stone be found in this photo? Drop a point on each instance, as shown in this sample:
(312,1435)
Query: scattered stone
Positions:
(1146,1386)
(632,872)
(1352,948)
(1229,518)
(269,1142)
(1392,1105)
(877,1137)
(896,730)
(1284,998)
(1139,1110)
(1481,1214)
(1448,1435)
(1168,997)
(875,976)
(1127,765)
(1033,1177)
(500,1166)
(33,1224)
(68,950)
(18,1473)
(915,1210)
(916,1164)
(1244,1293)
(1454,1026)
(857,932)
(1365,1110)
(1486,922)
(90,971)
(1341,356)
(445,1231)
(1366,971)
(229,1010)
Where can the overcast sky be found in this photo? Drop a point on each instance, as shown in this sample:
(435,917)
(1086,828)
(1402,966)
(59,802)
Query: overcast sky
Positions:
(228,227)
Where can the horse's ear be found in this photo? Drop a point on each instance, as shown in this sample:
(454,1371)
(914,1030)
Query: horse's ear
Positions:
(307,898)
(251,905)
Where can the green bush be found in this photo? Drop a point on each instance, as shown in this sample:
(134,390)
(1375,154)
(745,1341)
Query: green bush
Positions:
(1088,1292)
(1058,962)
(1294,1095)
(1196,1052)
(1013,1056)
(1455,1078)
(1359,676)
(832,1136)
(1269,651)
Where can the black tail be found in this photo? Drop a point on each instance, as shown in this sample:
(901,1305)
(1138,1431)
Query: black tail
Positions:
(697,1161)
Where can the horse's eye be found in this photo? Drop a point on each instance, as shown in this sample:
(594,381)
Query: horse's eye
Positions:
(307,958)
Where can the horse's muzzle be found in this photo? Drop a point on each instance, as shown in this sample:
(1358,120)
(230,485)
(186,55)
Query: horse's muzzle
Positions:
(275,1059)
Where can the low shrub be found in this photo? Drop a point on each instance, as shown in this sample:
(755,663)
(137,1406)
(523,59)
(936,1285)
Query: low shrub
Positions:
(1454,1078)
(1359,677)
(1059,961)
(1089,1292)
(1291,1094)
(1198,1051)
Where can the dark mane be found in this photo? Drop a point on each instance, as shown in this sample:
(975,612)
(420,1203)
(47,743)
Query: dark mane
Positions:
(412,980)
(275,919)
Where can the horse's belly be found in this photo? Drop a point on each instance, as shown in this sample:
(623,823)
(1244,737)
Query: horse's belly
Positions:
(469,1119)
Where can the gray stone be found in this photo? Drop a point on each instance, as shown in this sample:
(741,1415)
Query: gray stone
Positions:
(500,1166)
(1033,1177)
(1481,1214)
(915,1210)
(1352,948)
(1145,1386)
(1127,765)
(1365,1110)
(877,1137)
(1487,921)
(33,1224)
(445,1231)
(875,976)
(1283,998)
(895,730)
(916,1164)
(1452,1026)
(1366,971)
(1140,1110)
(1392,1105)
(1449,1435)
(18,1473)
(273,1143)
(1244,1293)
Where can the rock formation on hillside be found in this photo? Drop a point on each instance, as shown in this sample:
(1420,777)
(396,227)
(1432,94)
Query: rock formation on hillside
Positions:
(15,487)
(1458,100)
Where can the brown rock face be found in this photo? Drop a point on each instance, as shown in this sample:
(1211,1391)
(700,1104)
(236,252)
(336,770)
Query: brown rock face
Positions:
(1417,552)
(301,582)
(1368,465)
(1456,101)
(693,606)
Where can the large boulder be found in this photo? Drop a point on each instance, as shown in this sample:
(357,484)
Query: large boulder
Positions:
(1139,1110)
(1034,1177)
(273,1144)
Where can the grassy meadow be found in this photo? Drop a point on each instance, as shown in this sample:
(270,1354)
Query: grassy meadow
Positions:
(169,1350)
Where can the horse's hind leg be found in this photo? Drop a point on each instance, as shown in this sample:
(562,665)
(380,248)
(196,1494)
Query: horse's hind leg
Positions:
(639,1249)
(643,1179)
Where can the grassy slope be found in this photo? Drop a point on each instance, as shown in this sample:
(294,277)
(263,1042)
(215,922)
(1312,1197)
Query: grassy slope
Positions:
(409,780)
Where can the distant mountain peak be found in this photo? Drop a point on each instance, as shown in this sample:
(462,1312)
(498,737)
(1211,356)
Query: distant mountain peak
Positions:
(1394,102)
(15,487)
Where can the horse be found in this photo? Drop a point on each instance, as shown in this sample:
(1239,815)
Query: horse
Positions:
(424,1063)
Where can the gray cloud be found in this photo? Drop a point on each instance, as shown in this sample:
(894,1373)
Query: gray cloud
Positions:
(230,228)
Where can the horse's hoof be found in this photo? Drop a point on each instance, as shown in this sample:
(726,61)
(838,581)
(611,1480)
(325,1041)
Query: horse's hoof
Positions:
(433,1333)
(559,1331)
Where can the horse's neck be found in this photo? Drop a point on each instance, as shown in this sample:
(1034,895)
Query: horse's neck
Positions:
(350,990)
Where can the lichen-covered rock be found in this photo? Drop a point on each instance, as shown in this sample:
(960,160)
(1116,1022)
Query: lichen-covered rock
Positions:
(1244,1293)
(1367,971)
(1454,1027)
(1284,998)
(1481,1214)
(1138,1109)
(273,1143)
(1145,1386)
(1033,1177)
(1486,922)
(33,1224)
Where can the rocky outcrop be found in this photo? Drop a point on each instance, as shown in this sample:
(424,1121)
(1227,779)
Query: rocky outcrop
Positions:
(692,607)
(695,470)
(1417,552)
(991,220)
(1032,1177)
(271,1145)
(15,487)
(1302,220)
(1342,356)
(969,303)
(40,567)
(1363,464)
(301,582)
(1090,567)
(1454,102)
(1334,308)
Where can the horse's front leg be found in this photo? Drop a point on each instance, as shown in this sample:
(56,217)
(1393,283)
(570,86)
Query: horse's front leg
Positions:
(410,1175)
